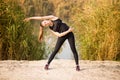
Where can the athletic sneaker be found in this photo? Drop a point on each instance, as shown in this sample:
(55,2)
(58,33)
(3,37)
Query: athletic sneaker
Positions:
(46,67)
(77,68)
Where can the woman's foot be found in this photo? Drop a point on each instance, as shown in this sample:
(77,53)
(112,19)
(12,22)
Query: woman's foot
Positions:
(46,67)
(77,68)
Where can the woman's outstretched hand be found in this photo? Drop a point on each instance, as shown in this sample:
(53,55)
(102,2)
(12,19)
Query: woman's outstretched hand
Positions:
(26,19)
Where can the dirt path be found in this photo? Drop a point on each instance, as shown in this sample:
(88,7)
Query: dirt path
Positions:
(59,70)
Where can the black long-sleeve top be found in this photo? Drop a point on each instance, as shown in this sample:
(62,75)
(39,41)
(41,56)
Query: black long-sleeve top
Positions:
(59,26)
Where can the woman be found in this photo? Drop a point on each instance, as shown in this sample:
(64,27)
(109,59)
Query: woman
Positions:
(61,30)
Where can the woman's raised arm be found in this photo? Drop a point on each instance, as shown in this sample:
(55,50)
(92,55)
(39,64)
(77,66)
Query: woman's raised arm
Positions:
(50,17)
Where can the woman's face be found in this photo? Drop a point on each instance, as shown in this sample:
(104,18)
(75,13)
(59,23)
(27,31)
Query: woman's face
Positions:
(45,23)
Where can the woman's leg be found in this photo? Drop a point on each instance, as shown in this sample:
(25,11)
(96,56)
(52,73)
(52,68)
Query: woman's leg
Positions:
(59,43)
(71,41)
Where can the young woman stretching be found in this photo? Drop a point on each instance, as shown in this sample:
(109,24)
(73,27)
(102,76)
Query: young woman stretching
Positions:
(61,30)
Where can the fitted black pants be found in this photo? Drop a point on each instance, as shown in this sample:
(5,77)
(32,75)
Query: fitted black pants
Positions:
(60,41)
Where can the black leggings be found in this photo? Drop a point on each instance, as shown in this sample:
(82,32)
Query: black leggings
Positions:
(60,41)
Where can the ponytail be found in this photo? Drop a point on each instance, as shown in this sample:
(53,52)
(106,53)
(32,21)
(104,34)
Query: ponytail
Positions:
(40,37)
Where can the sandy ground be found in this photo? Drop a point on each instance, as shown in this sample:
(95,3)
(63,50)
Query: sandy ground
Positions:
(59,70)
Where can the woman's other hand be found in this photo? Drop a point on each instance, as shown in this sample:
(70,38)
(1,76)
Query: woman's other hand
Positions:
(71,29)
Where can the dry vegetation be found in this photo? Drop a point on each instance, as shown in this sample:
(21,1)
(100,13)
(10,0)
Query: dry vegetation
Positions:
(96,23)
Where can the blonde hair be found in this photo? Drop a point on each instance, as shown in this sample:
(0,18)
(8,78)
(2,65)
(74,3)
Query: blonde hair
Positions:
(40,37)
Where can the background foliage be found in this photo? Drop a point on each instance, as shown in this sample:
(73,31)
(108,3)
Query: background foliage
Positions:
(17,40)
(96,26)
